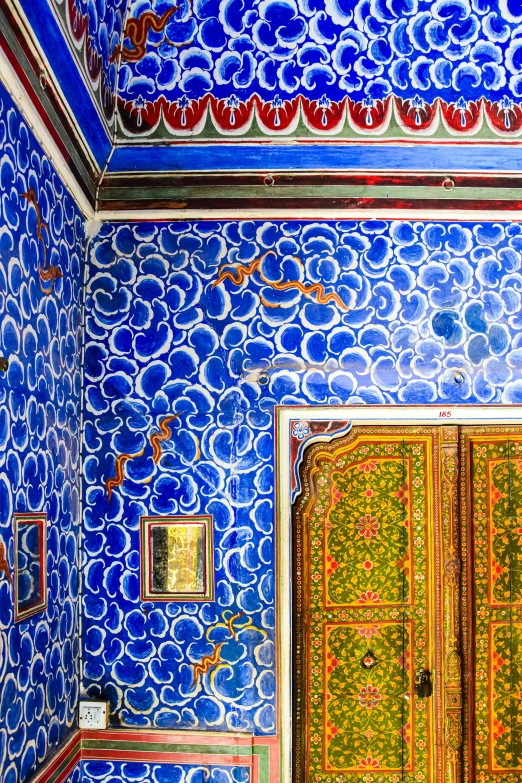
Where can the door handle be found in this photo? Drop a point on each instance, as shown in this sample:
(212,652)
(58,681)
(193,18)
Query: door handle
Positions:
(423,684)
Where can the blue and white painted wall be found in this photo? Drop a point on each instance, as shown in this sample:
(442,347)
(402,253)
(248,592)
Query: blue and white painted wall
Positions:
(120,772)
(191,318)
(40,330)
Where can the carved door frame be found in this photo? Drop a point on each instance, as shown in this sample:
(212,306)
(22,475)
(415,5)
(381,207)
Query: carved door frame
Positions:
(298,427)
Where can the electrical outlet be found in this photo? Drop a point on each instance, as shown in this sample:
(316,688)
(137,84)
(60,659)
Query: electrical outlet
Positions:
(93,714)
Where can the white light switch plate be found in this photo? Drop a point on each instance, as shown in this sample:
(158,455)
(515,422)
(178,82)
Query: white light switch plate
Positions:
(94,714)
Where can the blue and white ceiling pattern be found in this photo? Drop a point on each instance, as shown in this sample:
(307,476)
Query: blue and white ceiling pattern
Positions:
(333,66)
(346,68)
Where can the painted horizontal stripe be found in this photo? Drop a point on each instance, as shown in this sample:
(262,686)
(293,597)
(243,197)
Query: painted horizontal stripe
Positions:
(308,179)
(208,207)
(60,765)
(241,750)
(65,769)
(165,747)
(162,736)
(274,156)
(161,212)
(153,755)
(409,192)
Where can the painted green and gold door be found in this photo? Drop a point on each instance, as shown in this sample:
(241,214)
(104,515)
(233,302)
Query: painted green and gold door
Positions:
(491,483)
(368,608)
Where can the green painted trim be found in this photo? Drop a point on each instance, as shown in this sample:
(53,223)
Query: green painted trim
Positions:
(59,770)
(167,747)
(137,193)
(263,753)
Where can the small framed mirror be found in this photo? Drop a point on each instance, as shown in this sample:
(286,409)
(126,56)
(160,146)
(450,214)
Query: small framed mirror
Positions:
(177,558)
(30,582)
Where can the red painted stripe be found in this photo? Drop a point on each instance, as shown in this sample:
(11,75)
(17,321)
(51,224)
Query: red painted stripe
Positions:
(74,744)
(34,98)
(49,769)
(69,768)
(156,756)
(165,737)
(345,207)
(410,141)
(255,769)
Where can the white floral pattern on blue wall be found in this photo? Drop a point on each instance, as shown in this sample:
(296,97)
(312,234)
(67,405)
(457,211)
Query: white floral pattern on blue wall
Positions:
(411,313)
(39,444)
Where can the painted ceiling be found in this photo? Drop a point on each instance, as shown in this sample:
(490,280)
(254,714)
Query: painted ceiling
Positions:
(139,89)
(257,68)
(323,66)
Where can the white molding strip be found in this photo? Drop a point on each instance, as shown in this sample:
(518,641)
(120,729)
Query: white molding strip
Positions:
(358,415)
(279,213)
(17,91)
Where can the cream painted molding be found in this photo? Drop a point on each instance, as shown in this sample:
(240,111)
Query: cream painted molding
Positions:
(17,91)
(358,415)
(278,213)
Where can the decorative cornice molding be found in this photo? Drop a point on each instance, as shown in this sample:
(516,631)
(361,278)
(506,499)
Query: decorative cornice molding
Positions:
(360,183)
(18,92)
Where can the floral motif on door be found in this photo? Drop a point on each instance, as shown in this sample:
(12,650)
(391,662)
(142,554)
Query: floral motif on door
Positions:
(367,552)
(495,492)
(504,484)
(364,607)
(367,719)
(505,712)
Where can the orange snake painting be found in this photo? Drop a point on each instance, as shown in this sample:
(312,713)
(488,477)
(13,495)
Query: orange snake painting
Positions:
(155,440)
(237,274)
(47,274)
(137,30)
(208,661)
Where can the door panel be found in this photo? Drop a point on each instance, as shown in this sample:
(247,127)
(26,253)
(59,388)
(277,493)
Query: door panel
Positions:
(367,713)
(492,484)
(366,589)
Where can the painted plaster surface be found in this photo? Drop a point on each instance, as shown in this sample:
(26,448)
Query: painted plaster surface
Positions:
(118,771)
(345,68)
(121,772)
(39,442)
(185,319)
(75,775)
(329,67)
(315,156)
(93,31)
(70,76)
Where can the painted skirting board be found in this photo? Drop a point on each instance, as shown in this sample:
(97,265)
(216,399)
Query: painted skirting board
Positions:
(167,747)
